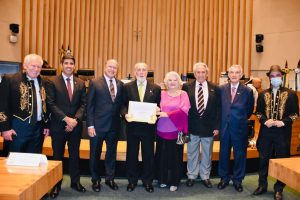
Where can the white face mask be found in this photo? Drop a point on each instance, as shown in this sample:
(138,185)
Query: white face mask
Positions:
(276,82)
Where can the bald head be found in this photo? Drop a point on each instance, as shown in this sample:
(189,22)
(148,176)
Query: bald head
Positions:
(256,82)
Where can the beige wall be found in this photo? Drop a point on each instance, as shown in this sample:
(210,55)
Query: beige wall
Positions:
(279,21)
(10,12)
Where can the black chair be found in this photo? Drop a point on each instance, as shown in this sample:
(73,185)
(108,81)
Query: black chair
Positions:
(150,76)
(48,72)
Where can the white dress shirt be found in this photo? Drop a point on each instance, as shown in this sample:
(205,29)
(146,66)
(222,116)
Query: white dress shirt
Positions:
(38,98)
(71,81)
(107,79)
(205,92)
(144,86)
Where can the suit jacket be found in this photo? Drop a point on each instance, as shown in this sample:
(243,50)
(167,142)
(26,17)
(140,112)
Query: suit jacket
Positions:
(152,95)
(19,97)
(102,112)
(3,103)
(210,120)
(235,114)
(59,102)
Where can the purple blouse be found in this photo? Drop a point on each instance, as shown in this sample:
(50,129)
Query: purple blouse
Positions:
(177,109)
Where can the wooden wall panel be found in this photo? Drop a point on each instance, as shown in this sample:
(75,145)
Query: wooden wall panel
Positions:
(166,34)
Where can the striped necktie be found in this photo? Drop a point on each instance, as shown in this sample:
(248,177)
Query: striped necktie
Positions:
(112,90)
(200,100)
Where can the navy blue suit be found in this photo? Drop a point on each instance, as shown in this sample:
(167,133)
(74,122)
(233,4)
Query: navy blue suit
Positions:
(234,122)
(104,115)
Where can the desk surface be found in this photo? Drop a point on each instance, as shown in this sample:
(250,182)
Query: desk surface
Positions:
(18,182)
(121,150)
(286,170)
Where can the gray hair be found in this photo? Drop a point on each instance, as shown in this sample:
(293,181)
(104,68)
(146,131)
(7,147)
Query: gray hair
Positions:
(30,57)
(140,63)
(236,66)
(200,64)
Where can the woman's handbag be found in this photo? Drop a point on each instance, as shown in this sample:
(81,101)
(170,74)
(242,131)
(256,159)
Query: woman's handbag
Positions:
(182,138)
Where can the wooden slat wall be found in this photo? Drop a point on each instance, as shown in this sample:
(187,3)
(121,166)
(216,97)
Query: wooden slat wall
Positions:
(166,34)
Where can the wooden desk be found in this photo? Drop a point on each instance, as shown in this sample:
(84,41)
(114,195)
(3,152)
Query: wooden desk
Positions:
(286,170)
(121,150)
(28,182)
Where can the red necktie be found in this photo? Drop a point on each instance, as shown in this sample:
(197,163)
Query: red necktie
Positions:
(69,88)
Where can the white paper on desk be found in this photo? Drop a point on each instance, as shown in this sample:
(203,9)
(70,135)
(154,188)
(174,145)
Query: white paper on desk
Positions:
(26,159)
(141,111)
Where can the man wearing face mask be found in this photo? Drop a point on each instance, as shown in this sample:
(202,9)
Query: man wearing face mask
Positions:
(277,109)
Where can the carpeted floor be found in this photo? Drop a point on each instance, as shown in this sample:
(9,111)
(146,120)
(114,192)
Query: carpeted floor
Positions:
(198,191)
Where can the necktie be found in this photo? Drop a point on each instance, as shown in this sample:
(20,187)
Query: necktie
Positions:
(232,94)
(112,90)
(69,88)
(200,100)
(141,85)
(33,118)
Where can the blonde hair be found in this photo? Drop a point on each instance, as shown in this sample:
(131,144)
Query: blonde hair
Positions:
(172,73)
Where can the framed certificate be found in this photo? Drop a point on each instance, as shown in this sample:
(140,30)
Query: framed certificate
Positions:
(141,111)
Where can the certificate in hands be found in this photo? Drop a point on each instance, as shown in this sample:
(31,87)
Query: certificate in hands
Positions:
(141,111)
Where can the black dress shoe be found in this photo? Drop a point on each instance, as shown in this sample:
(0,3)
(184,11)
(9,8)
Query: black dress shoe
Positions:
(54,192)
(96,186)
(112,184)
(207,183)
(149,188)
(190,182)
(278,196)
(238,187)
(78,187)
(222,185)
(260,190)
(130,187)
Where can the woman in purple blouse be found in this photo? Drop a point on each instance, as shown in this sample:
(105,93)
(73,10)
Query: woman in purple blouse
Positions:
(173,117)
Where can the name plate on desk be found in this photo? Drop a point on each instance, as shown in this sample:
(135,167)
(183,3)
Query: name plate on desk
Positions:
(26,159)
(140,111)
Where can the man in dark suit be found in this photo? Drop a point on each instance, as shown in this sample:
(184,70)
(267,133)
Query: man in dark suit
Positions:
(27,116)
(204,124)
(3,102)
(3,112)
(237,106)
(66,98)
(277,109)
(103,121)
(139,132)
